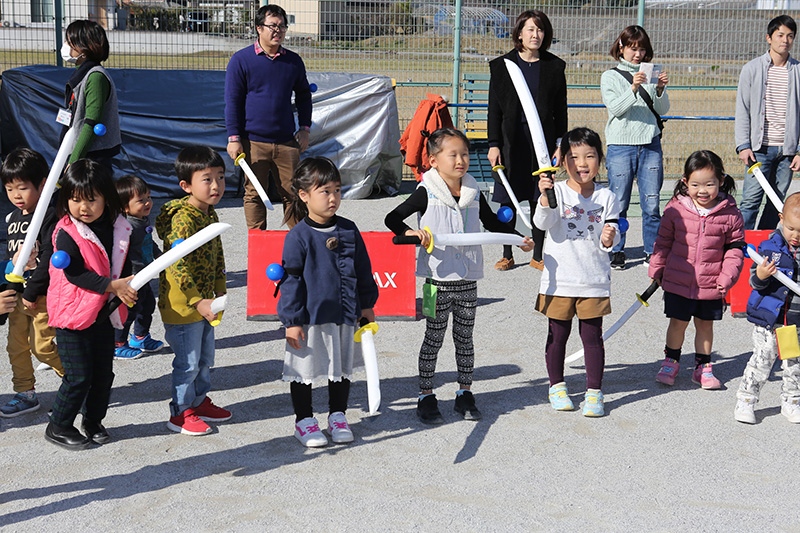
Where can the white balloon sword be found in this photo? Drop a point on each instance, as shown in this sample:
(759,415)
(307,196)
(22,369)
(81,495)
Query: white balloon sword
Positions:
(365,335)
(755,170)
(241,162)
(534,125)
(641,300)
(50,184)
(461,239)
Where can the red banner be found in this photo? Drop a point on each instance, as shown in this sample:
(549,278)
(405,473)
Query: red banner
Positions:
(392,267)
(739,294)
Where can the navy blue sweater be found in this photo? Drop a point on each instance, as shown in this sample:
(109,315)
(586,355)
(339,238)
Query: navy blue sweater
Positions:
(326,282)
(258,95)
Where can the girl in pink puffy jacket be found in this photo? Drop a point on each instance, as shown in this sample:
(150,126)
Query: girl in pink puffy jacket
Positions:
(694,261)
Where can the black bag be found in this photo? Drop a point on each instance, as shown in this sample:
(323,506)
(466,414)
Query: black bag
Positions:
(645,97)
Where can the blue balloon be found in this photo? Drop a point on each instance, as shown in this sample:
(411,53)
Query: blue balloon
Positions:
(9,267)
(60,259)
(177,242)
(100,129)
(275,272)
(505,214)
(752,247)
(623,225)
(313,87)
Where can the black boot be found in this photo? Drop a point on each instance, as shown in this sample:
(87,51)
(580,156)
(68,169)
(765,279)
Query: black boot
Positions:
(95,431)
(68,437)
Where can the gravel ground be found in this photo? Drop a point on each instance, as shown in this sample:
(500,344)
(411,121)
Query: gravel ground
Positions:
(663,459)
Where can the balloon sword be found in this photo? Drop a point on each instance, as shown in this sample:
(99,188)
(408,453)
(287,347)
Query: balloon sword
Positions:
(364,335)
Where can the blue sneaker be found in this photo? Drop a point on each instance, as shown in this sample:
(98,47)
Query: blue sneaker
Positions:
(126,352)
(146,344)
(21,403)
(593,404)
(559,398)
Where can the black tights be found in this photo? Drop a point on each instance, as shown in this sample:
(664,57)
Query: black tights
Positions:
(338,393)
(594,352)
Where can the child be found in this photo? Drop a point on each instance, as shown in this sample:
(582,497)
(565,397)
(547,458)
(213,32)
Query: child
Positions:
(187,288)
(327,288)
(448,201)
(772,305)
(23,175)
(135,197)
(577,271)
(693,262)
(93,233)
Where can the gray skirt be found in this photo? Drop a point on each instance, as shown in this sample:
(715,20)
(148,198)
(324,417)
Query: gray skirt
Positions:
(329,353)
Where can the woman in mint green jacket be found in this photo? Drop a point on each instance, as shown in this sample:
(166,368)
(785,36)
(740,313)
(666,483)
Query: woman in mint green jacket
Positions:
(633,133)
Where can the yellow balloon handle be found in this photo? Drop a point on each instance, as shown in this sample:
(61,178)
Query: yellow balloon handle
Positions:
(13,278)
(498,167)
(643,302)
(755,166)
(216,321)
(545,169)
(239,159)
(429,248)
(372,327)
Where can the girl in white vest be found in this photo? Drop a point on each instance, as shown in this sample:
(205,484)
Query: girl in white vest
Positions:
(448,201)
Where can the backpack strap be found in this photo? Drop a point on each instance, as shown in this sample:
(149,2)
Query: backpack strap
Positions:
(645,97)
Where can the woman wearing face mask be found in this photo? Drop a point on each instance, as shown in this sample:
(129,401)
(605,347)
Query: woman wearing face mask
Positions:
(633,134)
(509,138)
(91,97)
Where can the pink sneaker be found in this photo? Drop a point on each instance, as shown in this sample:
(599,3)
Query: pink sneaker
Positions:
(704,377)
(669,371)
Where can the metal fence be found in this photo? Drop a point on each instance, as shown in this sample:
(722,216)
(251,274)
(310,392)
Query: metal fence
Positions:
(702,47)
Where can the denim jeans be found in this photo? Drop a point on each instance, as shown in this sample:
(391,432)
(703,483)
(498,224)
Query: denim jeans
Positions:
(193,345)
(776,169)
(646,162)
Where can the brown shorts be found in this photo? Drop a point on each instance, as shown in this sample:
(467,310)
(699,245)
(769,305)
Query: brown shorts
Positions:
(566,307)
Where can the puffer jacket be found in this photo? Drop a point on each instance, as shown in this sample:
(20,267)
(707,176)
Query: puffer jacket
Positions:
(765,307)
(690,255)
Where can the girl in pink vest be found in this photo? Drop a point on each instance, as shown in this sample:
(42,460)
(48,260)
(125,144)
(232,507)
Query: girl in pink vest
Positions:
(94,235)
(695,262)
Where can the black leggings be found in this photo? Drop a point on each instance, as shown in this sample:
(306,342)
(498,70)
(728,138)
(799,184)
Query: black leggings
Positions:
(338,394)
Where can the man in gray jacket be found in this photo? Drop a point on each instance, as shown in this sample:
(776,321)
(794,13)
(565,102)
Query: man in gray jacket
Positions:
(767,126)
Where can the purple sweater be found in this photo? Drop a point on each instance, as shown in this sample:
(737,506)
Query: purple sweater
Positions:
(258,95)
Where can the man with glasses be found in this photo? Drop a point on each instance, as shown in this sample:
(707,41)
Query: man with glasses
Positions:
(259,83)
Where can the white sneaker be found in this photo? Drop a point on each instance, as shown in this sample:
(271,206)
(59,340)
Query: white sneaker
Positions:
(791,410)
(339,428)
(307,432)
(744,411)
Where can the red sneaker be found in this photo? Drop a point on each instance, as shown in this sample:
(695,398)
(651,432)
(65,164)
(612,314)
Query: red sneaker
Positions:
(211,413)
(188,423)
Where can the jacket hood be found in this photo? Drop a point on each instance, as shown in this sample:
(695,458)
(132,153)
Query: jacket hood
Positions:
(168,210)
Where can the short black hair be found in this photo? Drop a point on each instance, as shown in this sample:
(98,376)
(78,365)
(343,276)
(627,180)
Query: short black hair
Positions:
(195,158)
(82,180)
(89,38)
(437,138)
(26,165)
(781,20)
(270,9)
(579,136)
(129,186)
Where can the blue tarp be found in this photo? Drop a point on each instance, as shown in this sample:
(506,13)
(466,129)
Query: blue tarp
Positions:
(161,112)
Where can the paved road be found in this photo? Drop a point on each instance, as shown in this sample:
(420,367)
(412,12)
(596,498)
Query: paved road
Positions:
(663,459)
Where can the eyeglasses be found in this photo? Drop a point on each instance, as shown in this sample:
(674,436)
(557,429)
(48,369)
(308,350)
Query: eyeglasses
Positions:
(275,28)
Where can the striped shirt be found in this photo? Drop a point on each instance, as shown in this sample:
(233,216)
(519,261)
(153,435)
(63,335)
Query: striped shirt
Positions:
(776,96)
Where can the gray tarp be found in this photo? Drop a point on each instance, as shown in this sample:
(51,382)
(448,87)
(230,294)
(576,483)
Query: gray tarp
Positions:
(355,122)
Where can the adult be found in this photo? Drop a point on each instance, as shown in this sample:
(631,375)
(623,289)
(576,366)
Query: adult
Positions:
(507,130)
(633,134)
(259,83)
(767,129)
(90,96)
